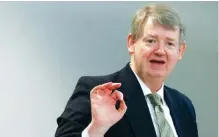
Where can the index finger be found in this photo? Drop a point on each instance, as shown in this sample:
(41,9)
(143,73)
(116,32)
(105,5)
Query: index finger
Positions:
(102,86)
(108,85)
(112,86)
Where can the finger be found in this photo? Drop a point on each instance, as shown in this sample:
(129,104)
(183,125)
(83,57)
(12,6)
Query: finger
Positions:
(105,89)
(108,87)
(122,106)
(116,85)
(113,86)
(99,87)
(105,85)
(117,95)
(108,92)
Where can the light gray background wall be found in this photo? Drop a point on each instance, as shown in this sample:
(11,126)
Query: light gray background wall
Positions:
(46,46)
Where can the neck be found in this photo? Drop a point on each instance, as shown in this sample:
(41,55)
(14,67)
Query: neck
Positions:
(153,83)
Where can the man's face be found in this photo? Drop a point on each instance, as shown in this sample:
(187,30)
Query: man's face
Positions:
(156,52)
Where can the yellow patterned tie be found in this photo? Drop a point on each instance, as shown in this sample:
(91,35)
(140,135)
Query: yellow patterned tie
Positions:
(164,126)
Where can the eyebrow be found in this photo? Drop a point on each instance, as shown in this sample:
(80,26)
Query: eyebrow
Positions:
(155,36)
(171,39)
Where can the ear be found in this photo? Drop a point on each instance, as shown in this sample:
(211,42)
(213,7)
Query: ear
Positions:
(130,41)
(182,49)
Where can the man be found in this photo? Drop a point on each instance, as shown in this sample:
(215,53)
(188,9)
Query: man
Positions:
(134,102)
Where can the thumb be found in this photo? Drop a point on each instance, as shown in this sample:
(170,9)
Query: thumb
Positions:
(122,106)
(117,95)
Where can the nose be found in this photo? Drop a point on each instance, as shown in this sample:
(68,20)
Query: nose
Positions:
(160,51)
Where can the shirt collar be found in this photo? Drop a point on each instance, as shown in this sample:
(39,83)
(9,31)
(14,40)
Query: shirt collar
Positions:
(147,91)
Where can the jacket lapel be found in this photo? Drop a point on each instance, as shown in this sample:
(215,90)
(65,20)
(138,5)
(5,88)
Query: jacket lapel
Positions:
(137,113)
(173,103)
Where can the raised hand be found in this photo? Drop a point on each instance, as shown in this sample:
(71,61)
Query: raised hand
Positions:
(104,112)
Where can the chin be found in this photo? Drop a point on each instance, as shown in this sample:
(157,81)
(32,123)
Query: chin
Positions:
(158,74)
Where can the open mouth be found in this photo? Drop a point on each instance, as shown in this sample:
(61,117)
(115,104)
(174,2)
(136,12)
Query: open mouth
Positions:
(157,61)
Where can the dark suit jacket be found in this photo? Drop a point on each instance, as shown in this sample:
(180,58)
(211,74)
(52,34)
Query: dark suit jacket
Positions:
(137,121)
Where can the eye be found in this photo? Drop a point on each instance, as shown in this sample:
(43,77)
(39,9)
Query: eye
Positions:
(170,44)
(151,41)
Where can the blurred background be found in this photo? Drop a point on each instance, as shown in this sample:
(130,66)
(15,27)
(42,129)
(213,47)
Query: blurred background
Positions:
(46,46)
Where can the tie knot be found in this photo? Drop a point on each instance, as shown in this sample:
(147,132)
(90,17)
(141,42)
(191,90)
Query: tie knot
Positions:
(155,99)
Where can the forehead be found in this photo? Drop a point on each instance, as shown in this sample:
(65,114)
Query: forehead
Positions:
(153,28)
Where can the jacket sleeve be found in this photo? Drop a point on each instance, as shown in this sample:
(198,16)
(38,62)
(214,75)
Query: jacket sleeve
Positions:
(77,113)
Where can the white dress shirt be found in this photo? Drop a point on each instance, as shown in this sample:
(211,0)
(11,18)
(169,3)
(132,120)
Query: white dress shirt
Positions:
(166,110)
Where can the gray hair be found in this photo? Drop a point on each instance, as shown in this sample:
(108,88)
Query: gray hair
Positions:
(162,15)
